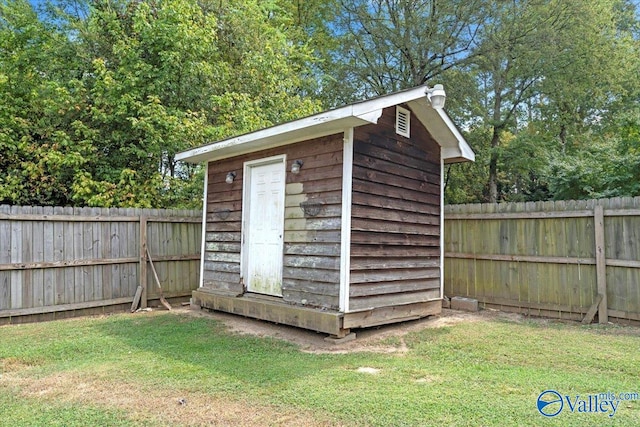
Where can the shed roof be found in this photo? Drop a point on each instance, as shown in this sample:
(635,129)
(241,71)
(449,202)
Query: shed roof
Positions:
(436,121)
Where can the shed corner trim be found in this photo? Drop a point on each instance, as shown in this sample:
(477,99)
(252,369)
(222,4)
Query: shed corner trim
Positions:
(345,228)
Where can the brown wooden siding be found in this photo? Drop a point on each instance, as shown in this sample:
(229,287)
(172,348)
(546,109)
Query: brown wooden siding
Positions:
(395,225)
(311,258)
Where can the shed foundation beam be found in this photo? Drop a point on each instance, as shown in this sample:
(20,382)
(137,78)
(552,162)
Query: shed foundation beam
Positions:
(272,309)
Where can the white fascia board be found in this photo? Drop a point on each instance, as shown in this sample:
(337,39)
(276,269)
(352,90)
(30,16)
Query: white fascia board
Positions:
(386,101)
(465,150)
(318,125)
(328,123)
(274,136)
(454,147)
(453,155)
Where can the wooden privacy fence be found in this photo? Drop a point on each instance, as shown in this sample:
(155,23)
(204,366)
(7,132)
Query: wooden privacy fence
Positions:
(55,261)
(553,259)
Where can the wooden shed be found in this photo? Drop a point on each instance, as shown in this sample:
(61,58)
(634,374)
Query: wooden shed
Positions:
(333,221)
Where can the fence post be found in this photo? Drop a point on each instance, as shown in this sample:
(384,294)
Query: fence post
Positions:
(601,263)
(143,260)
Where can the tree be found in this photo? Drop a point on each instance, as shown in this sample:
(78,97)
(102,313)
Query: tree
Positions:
(42,144)
(388,45)
(175,74)
(540,60)
(607,164)
(465,182)
(595,72)
(101,96)
(516,56)
(531,75)
(98,95)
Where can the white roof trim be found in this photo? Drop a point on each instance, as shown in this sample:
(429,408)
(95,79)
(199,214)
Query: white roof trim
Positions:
(463,150)
(444,131)
(454,147)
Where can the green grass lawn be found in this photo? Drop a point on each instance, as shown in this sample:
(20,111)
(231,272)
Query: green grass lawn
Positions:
(132,370)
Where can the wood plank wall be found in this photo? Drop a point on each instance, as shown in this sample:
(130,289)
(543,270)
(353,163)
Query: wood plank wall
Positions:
(541,258)
(56,259)
(311,258)
(395,216)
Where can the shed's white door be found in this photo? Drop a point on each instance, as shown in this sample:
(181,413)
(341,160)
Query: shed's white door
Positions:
(265,228)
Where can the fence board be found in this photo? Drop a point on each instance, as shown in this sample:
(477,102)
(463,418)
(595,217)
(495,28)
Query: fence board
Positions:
(132,234)
(540,258)
(87,252)
(48,256)
(56,259)
(156,248)
(34,243)
(5,258)
(115,285)
(65,281)
(58,254)
(97,245)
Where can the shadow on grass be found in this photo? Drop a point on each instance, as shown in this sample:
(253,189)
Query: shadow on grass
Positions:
(178,348)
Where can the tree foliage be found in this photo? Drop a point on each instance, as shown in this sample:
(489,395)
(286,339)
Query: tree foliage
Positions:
(385,46)
(535,78)
(97,96)
(39,146)
(99,104)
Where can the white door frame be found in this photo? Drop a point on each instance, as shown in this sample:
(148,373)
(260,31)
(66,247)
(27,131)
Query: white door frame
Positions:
(246,205)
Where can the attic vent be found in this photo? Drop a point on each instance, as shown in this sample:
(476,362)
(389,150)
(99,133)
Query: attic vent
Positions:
(403,121)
